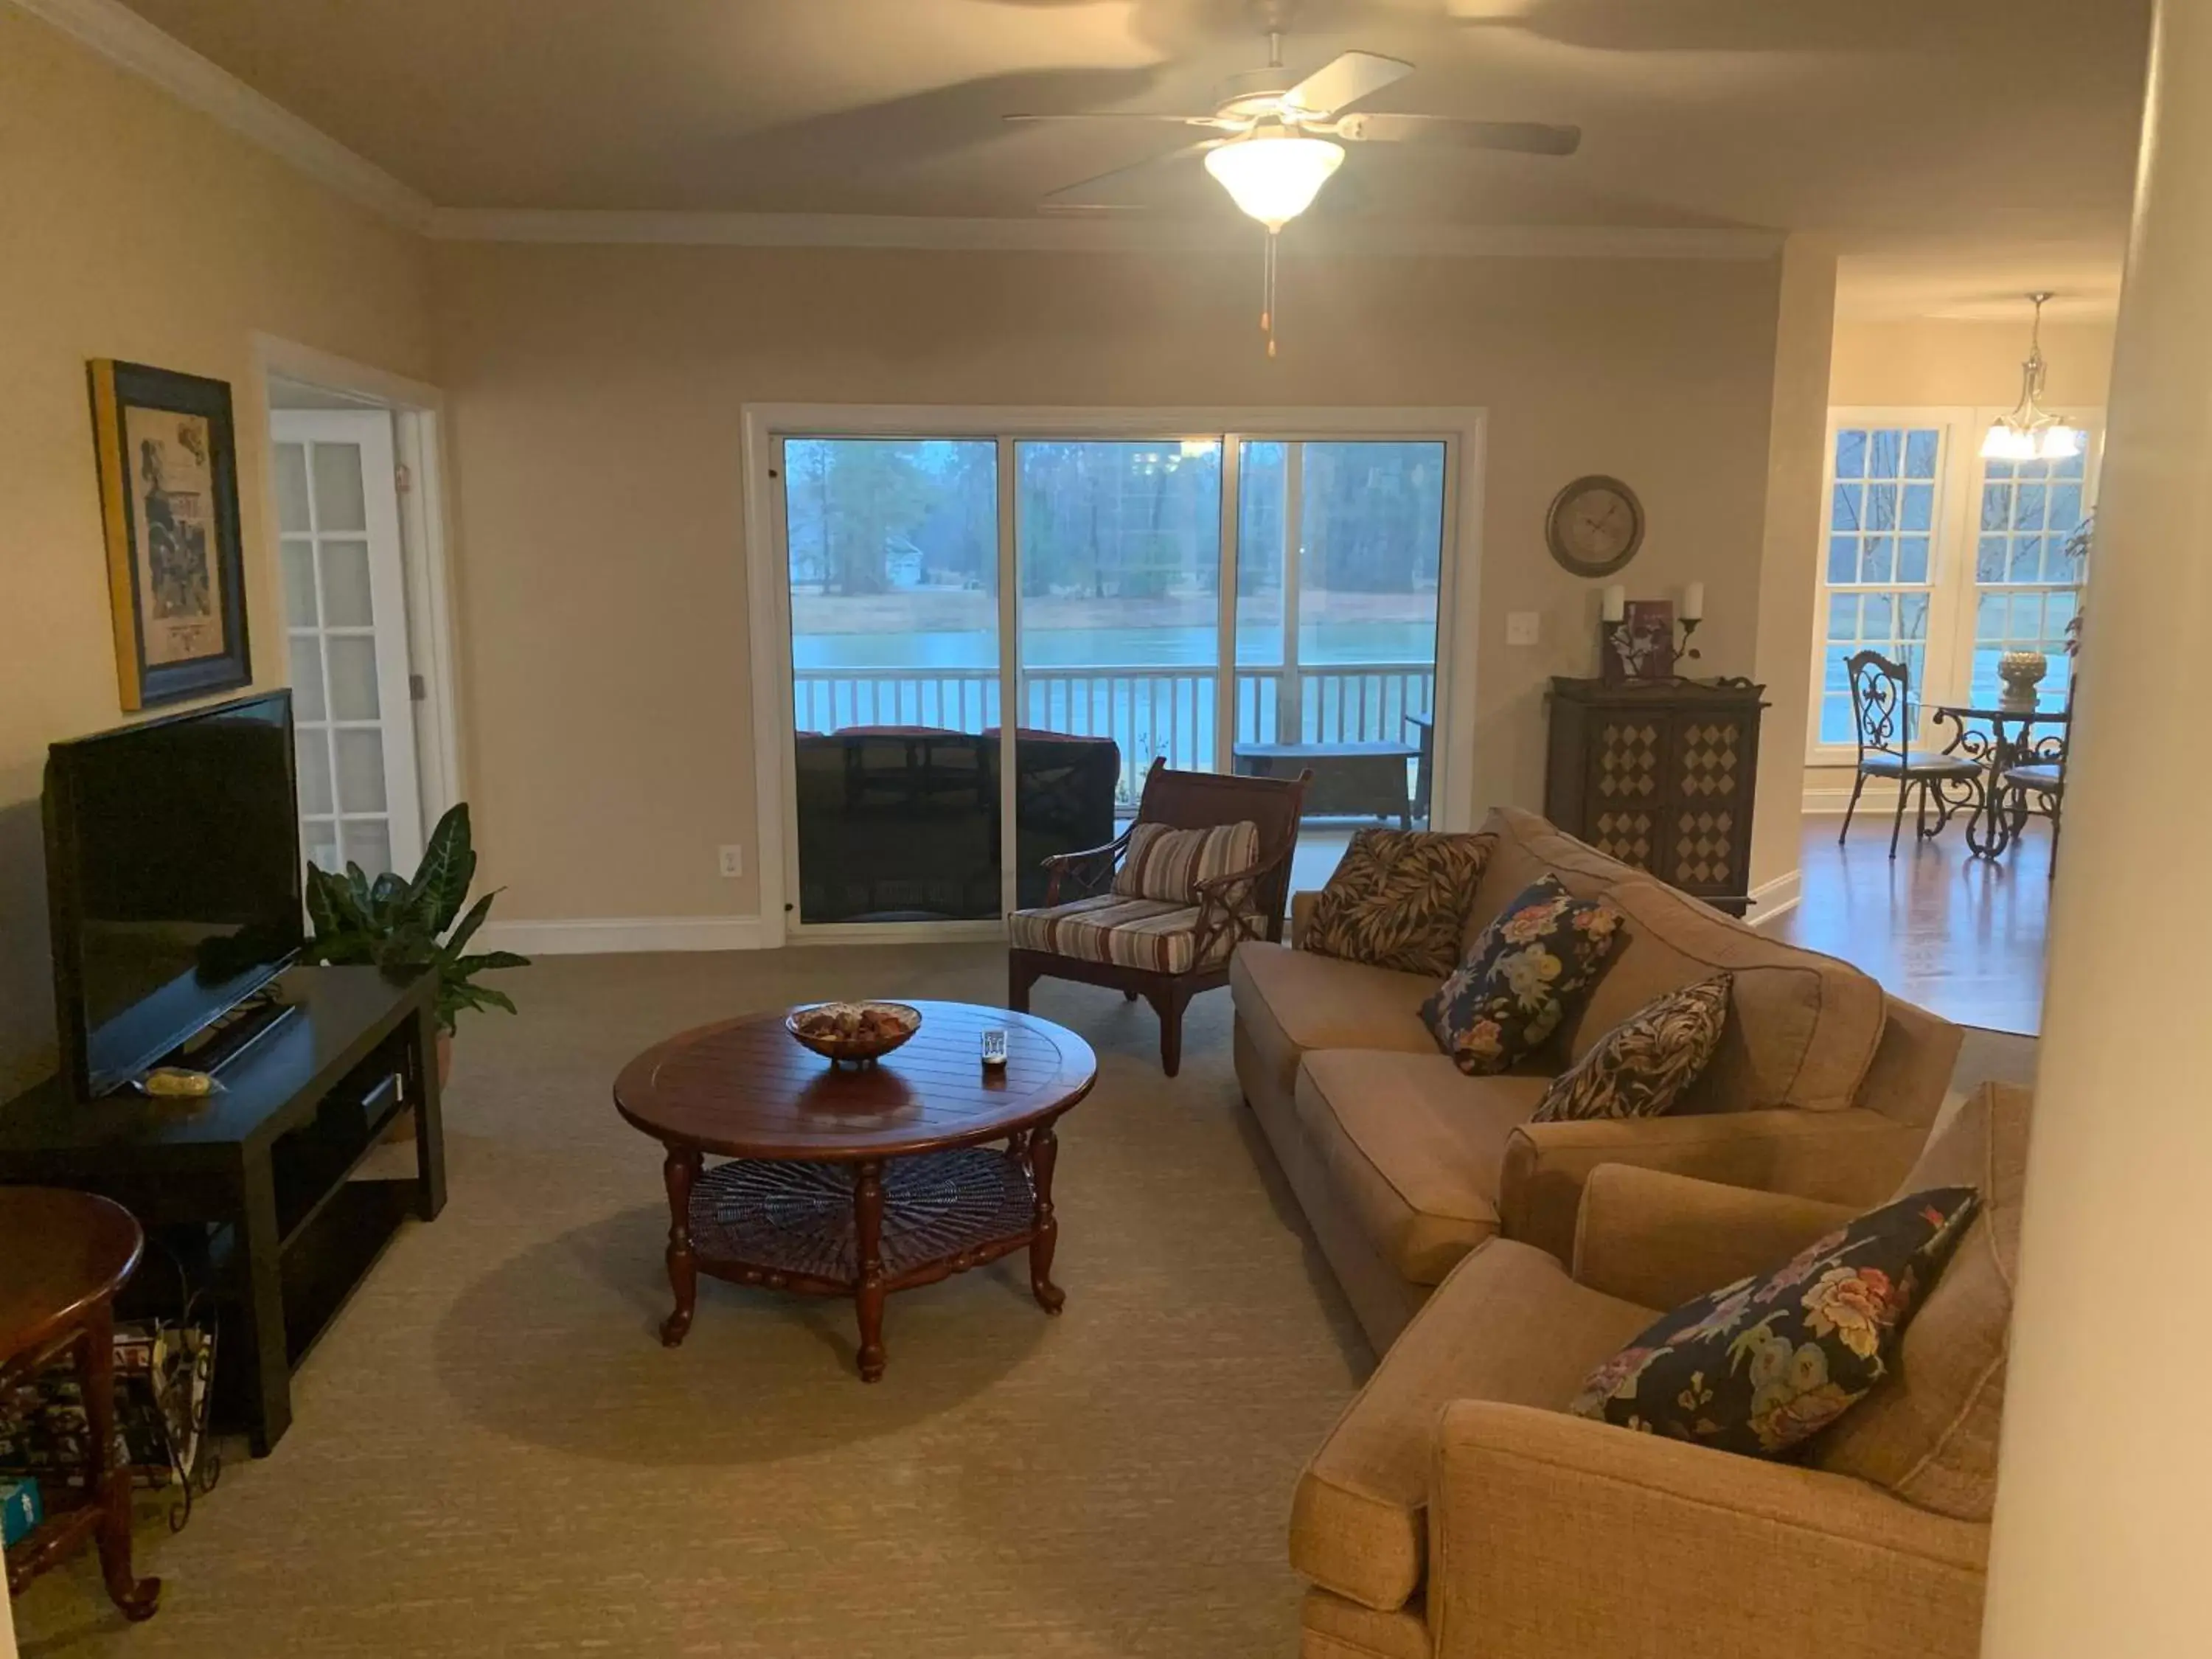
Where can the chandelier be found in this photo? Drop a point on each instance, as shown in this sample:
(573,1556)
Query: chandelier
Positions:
(2030,432)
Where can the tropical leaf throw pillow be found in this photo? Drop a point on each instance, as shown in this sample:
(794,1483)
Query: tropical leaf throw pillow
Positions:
(1764,1365)
(1642,1066)
(1398,898)
(1525,975)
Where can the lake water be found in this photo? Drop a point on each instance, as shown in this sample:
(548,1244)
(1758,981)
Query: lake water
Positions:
(1117,647)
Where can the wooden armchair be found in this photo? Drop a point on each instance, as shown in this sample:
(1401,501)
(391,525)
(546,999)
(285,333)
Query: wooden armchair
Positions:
(1164,950)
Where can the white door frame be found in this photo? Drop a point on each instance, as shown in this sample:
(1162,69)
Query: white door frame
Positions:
(426,537)
(1462,430)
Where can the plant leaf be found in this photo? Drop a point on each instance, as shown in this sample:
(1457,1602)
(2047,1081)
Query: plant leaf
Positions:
(449,865)
(469,923)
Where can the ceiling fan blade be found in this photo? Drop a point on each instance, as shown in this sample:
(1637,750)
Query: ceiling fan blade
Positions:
(1123,115)
(1528,137)
(1345,79)
(1067,198)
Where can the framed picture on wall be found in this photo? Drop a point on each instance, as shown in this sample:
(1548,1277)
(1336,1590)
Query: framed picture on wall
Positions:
(168,504)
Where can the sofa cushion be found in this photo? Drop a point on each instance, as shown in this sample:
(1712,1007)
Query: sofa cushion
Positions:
(1397,899)
(1291,1001)
(1762,1365)
(1508,1325)
(1131,932)
(1931,1435)
(1642,1067)
(1168,864)
(1413,1148)
(1526,847)
(1803,1028)
(1524,978)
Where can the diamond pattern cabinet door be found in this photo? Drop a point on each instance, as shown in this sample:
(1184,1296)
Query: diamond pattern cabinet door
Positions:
(1660,776)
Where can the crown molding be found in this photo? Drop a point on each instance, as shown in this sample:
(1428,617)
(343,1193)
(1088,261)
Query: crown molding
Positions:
(1064,235)
(128,40)
(125,39)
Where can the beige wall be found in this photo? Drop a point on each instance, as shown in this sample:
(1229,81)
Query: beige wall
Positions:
(596,395)
(136,230)
(1972,364)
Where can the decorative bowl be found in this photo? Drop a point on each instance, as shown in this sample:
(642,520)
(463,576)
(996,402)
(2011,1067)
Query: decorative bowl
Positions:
(2021,672)
(856,1033)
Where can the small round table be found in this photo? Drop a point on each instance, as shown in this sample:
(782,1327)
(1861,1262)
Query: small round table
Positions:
(856,1182)
(63,1257)
(2009,742)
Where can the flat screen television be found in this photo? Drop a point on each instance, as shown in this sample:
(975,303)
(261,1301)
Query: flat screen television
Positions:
(172,880)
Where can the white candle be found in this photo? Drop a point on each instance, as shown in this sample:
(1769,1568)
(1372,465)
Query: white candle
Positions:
(1693,602)
(1615,602)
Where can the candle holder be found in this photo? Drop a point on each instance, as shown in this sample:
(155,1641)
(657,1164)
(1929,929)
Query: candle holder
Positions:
(1683,649)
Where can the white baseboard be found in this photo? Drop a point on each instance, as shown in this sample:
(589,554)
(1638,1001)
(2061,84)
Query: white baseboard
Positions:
(1772,900)
(1880,796)
(621,935)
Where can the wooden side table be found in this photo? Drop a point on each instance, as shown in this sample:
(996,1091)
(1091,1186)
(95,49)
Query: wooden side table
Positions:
(63,1257)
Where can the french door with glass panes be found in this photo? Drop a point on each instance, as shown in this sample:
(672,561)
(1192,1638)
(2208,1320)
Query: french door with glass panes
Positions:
(346,624)
(1942,561)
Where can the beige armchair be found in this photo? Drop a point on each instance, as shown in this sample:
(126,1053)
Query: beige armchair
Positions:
(1456,1511)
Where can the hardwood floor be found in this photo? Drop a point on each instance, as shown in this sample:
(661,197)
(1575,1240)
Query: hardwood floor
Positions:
(1955,935)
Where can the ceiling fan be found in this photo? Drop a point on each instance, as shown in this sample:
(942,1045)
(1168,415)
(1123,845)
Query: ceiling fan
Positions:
(1277,140)
(1278,144)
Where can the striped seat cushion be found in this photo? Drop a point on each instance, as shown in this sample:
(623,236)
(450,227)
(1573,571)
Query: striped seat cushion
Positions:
(1132,933)
(1169,863)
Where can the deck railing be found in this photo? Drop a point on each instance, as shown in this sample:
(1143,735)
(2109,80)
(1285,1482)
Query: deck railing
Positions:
(1148,712)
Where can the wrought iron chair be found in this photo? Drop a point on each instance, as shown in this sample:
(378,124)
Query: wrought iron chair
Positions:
(2042,775)
(1884,712)
(1068,936)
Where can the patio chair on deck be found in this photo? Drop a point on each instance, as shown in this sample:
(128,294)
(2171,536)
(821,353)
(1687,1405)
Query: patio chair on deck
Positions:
(1160,908)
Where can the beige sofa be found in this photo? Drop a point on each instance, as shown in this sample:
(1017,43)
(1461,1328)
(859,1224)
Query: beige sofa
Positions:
(1823,1086)
(1456,1511)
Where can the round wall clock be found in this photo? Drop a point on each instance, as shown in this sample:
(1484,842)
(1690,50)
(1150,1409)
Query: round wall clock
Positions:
(1595,526)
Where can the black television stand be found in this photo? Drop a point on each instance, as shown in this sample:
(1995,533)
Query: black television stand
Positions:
(257,1186)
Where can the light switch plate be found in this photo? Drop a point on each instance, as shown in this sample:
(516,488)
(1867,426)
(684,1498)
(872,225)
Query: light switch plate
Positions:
(733,861)
(1522,626)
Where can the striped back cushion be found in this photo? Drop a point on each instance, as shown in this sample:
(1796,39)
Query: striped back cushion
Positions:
(1169,863)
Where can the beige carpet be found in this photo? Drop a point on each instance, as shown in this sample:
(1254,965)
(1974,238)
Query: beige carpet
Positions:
(493,1455)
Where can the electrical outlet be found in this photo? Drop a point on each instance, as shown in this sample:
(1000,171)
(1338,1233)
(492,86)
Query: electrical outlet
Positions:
(733,860)
(1522,626)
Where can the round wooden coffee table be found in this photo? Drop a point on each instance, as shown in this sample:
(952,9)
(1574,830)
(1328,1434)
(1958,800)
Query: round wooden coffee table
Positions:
(856,1183)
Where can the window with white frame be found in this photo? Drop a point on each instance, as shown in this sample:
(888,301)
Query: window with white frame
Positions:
(1940,560)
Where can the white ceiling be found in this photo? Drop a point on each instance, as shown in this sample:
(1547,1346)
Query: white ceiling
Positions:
(1915,129)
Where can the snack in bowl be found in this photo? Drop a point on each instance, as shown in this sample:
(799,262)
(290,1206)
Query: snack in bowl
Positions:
(862,1032)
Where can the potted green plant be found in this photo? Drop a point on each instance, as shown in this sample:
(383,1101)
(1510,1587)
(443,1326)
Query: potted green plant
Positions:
(403,926)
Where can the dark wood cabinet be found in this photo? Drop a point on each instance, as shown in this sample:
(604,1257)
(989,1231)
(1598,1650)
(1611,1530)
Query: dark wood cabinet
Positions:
(1661,776)
(255,1191)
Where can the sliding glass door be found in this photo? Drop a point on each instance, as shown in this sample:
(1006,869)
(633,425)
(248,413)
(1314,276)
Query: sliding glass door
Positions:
(891,553)
(1340,566)
(1218,601)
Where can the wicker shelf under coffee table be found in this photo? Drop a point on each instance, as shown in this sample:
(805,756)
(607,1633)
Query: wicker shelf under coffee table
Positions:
(856,1183)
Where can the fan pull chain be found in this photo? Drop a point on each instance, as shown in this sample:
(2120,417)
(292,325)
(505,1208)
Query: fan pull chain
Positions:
(1268,293)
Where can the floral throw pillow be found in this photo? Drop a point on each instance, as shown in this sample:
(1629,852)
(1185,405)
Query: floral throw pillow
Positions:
(1764,1365)
(1642,1066)
(1398,898)
(1523,975)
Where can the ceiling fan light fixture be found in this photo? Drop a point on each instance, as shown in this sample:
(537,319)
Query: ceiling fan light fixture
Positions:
(2030,432)
(1273,174)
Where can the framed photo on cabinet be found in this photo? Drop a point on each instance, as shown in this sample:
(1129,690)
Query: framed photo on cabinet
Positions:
(168,504)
